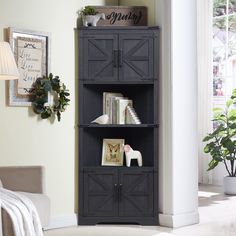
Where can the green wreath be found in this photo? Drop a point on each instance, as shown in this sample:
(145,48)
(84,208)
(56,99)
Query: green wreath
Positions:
(41,88)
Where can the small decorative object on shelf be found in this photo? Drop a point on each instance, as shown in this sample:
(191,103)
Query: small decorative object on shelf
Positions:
(131,116)
(132,154)
(90,17)
(112,152)
(59,97)
(102,120)
(123,15)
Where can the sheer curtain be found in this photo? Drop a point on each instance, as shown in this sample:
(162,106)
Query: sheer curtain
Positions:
(205,91)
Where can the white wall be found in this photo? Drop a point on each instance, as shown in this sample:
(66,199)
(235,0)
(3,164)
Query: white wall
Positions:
(25,139)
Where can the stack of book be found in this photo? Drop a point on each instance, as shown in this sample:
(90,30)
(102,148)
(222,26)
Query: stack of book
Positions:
(119,109)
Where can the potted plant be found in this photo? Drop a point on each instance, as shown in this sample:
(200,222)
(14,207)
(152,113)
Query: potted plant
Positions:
(221,143)
(88,10)
(90,17)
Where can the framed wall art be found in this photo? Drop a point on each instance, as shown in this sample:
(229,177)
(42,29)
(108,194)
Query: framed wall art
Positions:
(113,152)
(32,54)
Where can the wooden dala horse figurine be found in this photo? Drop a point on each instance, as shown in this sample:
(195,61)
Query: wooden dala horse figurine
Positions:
(132,154)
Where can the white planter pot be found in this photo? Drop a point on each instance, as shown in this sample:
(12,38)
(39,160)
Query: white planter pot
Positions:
(229,184)
(92,20)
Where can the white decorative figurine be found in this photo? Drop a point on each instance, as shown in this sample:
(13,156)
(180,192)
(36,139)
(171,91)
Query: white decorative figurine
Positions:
(92,19)
(102,120)
(132,154)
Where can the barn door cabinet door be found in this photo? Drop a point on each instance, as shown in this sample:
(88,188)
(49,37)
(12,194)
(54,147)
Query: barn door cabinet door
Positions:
(118,56)
(100,59)
(113,192)
(135,57)
(100,188)
(136,193)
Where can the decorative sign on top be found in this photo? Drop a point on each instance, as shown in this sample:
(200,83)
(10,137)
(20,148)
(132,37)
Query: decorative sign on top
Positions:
(122,15)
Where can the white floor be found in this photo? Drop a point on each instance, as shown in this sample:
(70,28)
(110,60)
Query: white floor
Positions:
(217,218)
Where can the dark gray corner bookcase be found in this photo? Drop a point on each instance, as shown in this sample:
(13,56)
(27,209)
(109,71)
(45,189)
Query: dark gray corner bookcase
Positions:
(126,60)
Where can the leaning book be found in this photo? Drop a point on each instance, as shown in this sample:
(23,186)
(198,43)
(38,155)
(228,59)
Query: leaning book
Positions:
(131,116)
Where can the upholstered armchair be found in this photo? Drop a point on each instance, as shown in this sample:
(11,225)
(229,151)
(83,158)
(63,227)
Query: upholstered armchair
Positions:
(30,182)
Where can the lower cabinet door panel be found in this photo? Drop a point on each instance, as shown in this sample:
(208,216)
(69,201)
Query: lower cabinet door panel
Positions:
(136,193)
(100,193)
(118,193)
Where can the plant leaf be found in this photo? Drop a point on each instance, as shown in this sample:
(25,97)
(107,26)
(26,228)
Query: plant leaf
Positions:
(233,94)
(212,164)
(232,114)
(218,110)
(208,137)
(229,102)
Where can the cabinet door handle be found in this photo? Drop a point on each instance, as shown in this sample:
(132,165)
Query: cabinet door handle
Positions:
(120,192)
(120,58)
(115,58)
(116,190)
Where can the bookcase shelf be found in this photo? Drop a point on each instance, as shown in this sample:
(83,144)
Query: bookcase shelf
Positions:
(143,96)
(119,126)
(121,60)
(94,82)
(94,168)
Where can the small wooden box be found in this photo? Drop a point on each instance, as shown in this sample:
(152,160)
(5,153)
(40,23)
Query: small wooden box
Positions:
(123,15)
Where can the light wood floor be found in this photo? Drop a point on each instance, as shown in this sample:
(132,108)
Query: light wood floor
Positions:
(217,218)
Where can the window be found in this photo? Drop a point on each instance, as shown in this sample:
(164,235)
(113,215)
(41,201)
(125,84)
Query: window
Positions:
(224,50)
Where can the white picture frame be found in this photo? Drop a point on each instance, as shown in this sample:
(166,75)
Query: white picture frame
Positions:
(113,152)
(31,50)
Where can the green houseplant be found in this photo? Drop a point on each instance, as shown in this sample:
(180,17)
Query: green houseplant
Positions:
(88,10)
(221,143)
(90,16)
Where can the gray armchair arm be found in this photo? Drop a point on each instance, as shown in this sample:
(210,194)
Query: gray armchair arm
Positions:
(23,178)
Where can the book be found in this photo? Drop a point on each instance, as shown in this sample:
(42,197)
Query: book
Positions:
(121,104)
(131,116)
(108,103)
(119,109)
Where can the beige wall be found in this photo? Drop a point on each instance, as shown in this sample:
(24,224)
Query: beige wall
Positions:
(150,4)
(25,139)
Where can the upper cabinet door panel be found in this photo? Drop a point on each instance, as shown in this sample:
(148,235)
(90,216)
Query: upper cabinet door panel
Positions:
(136,57)
(100,57)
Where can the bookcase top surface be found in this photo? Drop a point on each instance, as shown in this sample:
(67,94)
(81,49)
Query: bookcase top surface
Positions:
(91,125)
(117,27)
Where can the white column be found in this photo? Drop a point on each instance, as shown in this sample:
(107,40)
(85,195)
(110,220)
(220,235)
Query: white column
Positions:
(178,201)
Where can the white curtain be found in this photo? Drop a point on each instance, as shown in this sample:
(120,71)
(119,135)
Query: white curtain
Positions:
(205,84)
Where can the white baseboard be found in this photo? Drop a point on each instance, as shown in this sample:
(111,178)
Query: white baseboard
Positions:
(62,221)
(172,221)
(175,221)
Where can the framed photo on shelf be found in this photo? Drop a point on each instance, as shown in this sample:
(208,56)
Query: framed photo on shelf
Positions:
(112,152)
(32,54)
